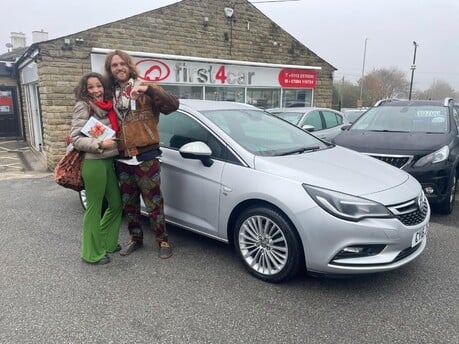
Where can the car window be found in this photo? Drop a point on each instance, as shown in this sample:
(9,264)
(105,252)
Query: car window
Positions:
(456,116)
(262,133)
(313,118)
(332,119)
(352,115)
(431,119)
(292,117)
(177,129)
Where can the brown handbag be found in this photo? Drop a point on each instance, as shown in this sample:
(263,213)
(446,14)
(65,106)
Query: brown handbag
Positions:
(67,172)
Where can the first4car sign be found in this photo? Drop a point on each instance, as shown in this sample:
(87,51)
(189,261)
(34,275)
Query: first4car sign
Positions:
(210,73)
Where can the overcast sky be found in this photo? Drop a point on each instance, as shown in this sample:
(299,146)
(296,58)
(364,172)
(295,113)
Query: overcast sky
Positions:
(335,30)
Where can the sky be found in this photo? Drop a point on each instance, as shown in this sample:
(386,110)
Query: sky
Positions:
(335,30)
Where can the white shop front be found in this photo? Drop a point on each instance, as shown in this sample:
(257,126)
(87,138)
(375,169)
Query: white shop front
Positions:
(261,84)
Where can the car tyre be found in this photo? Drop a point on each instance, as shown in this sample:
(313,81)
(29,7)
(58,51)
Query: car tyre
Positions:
(447,206)
(267,244)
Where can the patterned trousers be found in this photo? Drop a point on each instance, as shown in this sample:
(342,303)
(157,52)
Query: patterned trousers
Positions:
(143,179)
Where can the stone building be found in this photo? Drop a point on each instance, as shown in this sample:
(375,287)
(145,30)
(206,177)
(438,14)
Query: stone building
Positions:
(211,49)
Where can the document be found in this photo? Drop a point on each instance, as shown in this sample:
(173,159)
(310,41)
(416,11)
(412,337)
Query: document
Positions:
(96,129)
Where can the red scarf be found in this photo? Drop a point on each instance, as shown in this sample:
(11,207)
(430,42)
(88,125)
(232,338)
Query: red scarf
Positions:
(108,106)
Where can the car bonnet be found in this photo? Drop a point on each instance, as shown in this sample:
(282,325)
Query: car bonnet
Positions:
(392,142)
(338,169)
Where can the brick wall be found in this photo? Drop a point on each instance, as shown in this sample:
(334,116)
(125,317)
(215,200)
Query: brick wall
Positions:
(176,29)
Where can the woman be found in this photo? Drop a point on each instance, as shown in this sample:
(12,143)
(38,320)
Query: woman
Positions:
(100,233)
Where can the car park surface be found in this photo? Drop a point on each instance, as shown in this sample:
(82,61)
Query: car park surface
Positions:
(322,122)
(418,136)
(284,199)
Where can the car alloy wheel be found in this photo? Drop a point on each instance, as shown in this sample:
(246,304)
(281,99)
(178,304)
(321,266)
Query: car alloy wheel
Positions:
(267,244)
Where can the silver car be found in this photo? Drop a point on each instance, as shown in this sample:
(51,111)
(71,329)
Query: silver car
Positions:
(322,122)
(284,199)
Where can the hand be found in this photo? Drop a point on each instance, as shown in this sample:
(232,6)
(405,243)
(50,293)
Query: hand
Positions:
(137,91)
(109,143)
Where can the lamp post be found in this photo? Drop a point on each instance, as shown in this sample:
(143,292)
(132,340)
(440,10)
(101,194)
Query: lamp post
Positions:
(413,67)
(360,101)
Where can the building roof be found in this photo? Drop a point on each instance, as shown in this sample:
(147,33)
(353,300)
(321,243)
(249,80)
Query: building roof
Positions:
(13,55)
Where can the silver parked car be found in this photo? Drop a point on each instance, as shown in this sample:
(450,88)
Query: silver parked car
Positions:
(283,198)
(322,122)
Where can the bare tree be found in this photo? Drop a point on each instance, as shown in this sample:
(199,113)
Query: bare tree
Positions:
(438,90)
(384,83)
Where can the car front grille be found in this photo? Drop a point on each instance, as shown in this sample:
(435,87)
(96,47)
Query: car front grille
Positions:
(412,212)
(398,161)
(406,252)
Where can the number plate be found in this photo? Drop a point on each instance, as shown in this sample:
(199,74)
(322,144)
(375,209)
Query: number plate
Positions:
(418,236)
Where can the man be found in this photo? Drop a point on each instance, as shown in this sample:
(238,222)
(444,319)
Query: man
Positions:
(138,106)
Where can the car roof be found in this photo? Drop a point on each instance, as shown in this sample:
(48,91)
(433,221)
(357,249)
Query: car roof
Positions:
(203,105)
(413,103)
(299,109)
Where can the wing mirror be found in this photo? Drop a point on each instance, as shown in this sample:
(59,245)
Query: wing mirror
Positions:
(197,150)
(308,127)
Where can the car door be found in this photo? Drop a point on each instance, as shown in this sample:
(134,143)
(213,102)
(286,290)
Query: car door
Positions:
(191,190)
(332,124)
(314,119)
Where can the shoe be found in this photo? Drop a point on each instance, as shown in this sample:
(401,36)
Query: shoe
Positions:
(105,260)
(165,250)
(130,247)
(117,248)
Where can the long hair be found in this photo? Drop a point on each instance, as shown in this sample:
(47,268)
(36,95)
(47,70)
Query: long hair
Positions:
(81,90)
(133,71)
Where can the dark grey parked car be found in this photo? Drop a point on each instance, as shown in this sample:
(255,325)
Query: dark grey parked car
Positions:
(418,136)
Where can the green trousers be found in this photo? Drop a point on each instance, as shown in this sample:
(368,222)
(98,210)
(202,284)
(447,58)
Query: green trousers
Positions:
(100,233)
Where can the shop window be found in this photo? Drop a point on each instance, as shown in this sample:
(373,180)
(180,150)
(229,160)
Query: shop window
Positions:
(297,97)
(264,98)
(6,102)
(232,94)
(184,92)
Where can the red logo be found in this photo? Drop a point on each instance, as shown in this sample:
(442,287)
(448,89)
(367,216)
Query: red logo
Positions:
(299,78)
(153,70)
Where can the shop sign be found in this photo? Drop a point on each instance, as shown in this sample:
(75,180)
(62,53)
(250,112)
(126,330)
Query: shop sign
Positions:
(209,73)
(297,78)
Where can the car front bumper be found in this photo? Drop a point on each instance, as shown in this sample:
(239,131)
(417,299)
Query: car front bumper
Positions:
(325,236)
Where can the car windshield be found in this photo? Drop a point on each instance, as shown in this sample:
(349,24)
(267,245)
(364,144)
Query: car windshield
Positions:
(264,134)
(292,117)
(413,119)
(352,115)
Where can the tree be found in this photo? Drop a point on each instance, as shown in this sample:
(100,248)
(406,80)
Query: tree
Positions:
(438,90)
(384,83)
(345,94)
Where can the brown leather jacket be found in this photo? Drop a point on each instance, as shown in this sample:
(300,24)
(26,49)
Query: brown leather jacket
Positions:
(139,128)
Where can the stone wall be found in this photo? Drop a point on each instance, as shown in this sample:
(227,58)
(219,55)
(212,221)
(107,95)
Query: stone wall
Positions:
(176,29)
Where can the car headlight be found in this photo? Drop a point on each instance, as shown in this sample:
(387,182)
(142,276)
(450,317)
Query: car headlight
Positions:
(432,158)
(345,206)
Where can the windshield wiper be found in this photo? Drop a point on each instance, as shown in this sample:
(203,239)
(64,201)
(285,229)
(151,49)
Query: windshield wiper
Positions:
(390,131)
(301,150)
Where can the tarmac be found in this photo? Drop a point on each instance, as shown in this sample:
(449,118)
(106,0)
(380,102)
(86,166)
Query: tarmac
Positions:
(19,160)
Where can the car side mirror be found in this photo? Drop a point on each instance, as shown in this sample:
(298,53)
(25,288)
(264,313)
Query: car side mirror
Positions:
(308,127)
(346,127)
(197,150)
